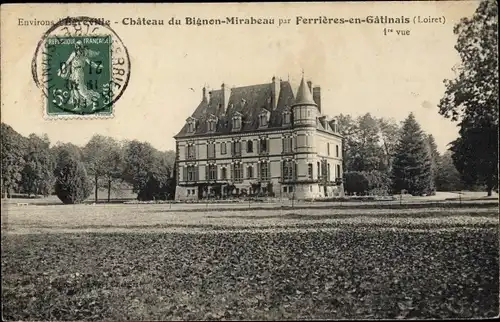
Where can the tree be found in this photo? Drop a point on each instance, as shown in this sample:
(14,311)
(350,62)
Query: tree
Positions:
(13,145)
(60,147)
(475,155)
(347,127)
(72,184)
(472,97)
(160,178)
(367,156)
(412,166)
(369,142)
(448,177)
(103,159)
(389,135)
(139,159)
(38,171)
(433,152)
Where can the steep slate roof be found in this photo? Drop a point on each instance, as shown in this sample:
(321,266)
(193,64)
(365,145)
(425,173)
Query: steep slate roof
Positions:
(249,101)
(304,95)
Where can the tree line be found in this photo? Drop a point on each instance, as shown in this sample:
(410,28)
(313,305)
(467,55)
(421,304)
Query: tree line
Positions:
(32,166)
(382,156)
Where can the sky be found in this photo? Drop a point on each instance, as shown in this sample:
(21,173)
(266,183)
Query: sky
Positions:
(359,69)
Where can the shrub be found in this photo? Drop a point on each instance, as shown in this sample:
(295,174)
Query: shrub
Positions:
(356,182)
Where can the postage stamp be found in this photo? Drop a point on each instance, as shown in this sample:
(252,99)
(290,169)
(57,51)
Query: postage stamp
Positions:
(82,68)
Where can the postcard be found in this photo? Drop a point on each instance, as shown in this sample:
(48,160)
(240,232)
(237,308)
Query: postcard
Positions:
(237,161)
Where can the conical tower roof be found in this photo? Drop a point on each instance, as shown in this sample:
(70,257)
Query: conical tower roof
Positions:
(304,96)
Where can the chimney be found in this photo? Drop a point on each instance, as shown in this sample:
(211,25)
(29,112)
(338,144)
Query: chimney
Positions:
(317,96)
(226,92)
(275,90)
(205,95)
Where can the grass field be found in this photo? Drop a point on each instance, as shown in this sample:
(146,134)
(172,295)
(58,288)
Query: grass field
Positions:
(145,262)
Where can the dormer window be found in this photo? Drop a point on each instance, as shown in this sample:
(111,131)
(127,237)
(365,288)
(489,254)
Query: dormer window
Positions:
(211,126)
(191,125)
(212,123)
(237,122)
(264,118)
(286,117)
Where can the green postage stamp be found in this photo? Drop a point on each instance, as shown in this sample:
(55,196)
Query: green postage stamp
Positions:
(82,68)
(80,79)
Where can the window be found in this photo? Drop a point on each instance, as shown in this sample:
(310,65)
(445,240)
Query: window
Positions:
(328,172)
(191,126)
(250,172)
(212,172)
(286,117)
(211,150)
(249,146)
(319,170)
(337,175)
(211,125)
(191,173)
(328,148)
(237,172)
(284,189)
(189,192)
(223,173)
(263,119)
(310,170)
(236,148)
(287,144)
(337,150)
(190,151)
(324,170)
(223,148)
(290,189)
(264,171)
(236,123)
(263,145)
(287,170)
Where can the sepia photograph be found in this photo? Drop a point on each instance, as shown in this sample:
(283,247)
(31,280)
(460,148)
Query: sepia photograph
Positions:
(249,161)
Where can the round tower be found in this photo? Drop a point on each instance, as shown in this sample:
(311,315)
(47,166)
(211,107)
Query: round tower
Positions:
(304,109)
(305,112)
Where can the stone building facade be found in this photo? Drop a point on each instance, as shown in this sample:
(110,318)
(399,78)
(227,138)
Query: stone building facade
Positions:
(259,140)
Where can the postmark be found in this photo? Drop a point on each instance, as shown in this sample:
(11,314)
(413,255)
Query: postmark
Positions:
(81,67)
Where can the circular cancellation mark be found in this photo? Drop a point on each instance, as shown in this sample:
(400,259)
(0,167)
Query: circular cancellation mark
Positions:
(82,67)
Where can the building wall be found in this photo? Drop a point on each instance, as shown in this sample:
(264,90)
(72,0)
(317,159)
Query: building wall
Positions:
(310,146)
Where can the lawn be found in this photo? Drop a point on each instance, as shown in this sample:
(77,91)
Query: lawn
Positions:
(128,262)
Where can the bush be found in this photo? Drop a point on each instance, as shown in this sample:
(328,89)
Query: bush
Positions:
(72,184)
(379,182)
(356,182)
